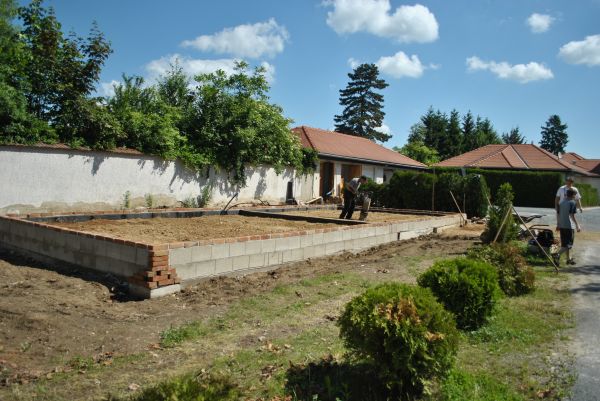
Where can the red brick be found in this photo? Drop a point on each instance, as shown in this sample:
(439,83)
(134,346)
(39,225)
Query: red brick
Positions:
(166,282)
(158,253)
(158,247)
(177,280)
(158,258)
(156,263)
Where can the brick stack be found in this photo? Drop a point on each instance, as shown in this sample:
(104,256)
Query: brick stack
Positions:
(159,273)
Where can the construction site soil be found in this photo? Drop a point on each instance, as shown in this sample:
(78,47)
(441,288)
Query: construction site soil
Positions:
(160,230)
(52,315)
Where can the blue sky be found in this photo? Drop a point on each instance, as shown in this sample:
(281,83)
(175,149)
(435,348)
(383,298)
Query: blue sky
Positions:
(515,62)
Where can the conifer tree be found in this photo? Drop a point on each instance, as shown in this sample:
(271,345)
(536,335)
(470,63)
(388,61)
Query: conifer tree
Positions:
(514,137)
(554,135)
(363,106)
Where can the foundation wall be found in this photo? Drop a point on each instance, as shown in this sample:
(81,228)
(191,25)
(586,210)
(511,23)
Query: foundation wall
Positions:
(158,269)
(194,261)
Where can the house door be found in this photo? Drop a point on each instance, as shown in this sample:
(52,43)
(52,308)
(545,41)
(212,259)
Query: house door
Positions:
(326,178)
(350,171)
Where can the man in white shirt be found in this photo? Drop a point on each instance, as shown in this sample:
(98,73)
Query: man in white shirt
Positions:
(350,192)
(561,194)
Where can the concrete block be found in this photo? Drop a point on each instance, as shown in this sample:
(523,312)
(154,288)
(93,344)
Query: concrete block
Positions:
(220,251)
(241,262)
(380,230)
(319,250)
(113,250)
(223,265)
(237,248)
(205,268)
(147,293)
(129,269)
(256,260)
(128,253)
(346,235)
(333,236)
(268,245)
(333,247)
(180,256)
(253,247)
(201,253)
(273,258)
(306,240)
(317,238)
(186,272)
(308,252)
(141,256)
(86,244)
(292,255)
(283,244)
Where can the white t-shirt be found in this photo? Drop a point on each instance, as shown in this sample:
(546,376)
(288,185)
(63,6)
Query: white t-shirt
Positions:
(562,193)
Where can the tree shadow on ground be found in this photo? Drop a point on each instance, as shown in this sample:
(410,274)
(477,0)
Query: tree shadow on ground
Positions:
(329,380)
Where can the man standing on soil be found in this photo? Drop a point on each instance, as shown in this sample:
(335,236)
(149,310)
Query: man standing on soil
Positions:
(567,223)
(561,194)
(350,192)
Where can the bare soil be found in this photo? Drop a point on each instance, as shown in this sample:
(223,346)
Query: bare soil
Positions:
(51,316)
(160,230)
(373,217)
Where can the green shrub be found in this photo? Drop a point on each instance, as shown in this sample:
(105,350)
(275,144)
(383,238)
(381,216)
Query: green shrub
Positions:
(514,275)
(468,288)
(497,213)
(404,332)
(589,195)
(201,387)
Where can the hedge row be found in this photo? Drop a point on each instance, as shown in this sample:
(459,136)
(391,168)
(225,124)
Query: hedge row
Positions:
(589,194)
(416,190)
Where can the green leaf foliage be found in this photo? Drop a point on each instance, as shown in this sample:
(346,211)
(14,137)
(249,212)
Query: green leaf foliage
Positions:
(554,135)
(501,225)
(404,332)
(466,287)
(515,277)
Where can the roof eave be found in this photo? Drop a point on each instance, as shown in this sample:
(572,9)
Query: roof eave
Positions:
(370,161)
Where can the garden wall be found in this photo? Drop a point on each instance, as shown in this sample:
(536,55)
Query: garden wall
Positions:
(56,178)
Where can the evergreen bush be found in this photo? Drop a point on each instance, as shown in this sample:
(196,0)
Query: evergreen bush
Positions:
(501,225)
(468,288)
(514,275)
(404,332)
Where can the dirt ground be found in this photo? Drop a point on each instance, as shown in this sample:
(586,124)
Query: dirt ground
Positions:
(51,316)
(373,217)
(160,230)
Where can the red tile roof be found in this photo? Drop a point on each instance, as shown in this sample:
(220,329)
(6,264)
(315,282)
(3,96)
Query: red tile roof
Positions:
(525,156)
(569,157)
(359,149)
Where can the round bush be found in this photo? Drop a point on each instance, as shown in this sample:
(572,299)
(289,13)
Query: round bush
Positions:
(515,276)
(468,288)
(404,331)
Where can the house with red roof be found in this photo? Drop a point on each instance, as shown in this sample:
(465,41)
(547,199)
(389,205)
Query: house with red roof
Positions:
(528,157)
(343,157)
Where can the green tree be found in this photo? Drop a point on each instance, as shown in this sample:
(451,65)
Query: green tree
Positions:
(435,123)
(363,106)
(416,133)
(469,132)
(61,72)
(554,135)
(514,137)
(486,134)
(450,141)
(417,150)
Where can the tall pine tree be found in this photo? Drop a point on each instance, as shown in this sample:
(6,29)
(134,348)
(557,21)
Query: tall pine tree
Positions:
(450,143)
(469,133)
(363,107)
(514,137)
(554,135)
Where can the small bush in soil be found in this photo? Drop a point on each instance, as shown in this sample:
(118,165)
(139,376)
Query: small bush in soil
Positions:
(515,276)
(203,387)
(501,212)
(404,332)
(468,288)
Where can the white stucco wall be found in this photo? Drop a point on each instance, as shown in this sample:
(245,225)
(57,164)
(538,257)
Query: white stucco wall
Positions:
(57,179)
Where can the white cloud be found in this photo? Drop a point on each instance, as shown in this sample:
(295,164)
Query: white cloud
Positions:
(539,23)
(400,65)
(353,63)
(107,89)
(585,51)
(406,24)
(252,41)
(521,73)
(193,67)
(190,66)
(384,129)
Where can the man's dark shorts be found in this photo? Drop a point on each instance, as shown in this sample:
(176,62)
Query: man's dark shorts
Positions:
(567,237)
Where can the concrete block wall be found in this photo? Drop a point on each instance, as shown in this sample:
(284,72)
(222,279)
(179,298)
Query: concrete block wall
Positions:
(158,269)
(195,260)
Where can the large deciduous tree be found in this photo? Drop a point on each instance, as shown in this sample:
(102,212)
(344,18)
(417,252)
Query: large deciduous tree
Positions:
(363,106)
(554,135)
